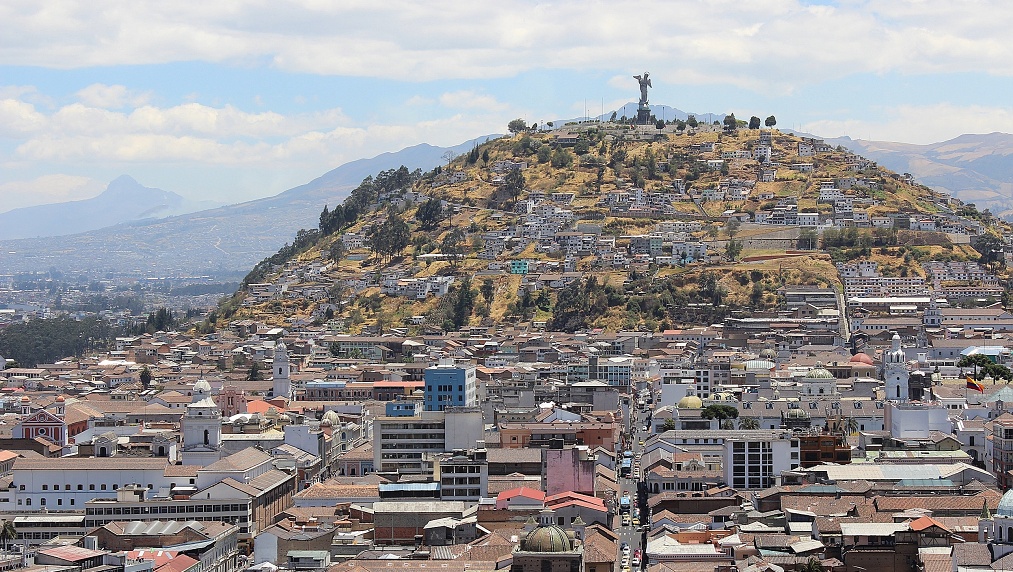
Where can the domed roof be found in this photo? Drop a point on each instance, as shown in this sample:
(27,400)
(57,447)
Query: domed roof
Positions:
(331,417)
(768,353)
(60,399)
(25,399)
(547,539)
(797,414)
(862,357)
(819,372)
(690,402)
(1005,508)
(202,386)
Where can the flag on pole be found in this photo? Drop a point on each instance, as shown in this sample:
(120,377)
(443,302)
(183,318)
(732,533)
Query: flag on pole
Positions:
(971,384)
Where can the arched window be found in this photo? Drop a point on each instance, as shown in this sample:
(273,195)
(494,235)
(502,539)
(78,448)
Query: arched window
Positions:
(103,452)
(28,502)
(161,451)
(42,501)
(207,441)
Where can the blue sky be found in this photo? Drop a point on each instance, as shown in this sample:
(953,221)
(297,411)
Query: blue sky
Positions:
(237,100)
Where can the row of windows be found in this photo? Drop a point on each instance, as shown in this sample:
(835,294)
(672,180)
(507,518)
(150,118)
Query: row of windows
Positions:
(167,509)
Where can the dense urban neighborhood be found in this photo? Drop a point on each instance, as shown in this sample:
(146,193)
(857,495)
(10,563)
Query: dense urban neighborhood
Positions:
(603,346)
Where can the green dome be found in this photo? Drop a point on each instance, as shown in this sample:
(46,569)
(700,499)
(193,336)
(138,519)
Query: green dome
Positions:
(547,539)
(690,402)
(819,372)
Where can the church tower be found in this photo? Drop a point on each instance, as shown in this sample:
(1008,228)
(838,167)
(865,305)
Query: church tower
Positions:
(282,371)
(202,428)
(895,371)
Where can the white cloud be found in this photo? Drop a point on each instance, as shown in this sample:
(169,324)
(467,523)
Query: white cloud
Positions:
(785,43)
(47,189)
(920,124)
(112,96)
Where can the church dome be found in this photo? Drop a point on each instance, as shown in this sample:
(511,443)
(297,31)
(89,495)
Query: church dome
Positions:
(331,417)
(690,402)
(60,399)
(796,414)
(547,539)
(1005,508)
(819,372)
(862,357)
(202,386)
(768,353)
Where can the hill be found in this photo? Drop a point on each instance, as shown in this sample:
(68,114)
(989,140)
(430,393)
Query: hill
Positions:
(221,240)
(975,168)
(124,200)
(596,225)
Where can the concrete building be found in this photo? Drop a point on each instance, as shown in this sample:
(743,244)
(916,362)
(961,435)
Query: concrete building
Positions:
(450,385)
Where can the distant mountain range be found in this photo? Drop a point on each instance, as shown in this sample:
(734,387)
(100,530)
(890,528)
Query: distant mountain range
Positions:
(219,240)
(124,200)
(665,112)
(973,168)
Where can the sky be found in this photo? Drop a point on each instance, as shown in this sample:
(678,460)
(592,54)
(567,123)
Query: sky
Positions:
(232,100)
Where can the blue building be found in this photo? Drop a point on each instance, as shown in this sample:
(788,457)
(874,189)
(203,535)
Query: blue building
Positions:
(450,385)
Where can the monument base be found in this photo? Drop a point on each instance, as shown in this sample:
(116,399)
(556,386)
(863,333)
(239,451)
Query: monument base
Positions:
(643,115)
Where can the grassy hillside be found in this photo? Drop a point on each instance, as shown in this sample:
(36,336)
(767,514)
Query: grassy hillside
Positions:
(329,284)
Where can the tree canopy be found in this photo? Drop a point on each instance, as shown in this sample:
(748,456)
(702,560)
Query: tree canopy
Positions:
(517,125)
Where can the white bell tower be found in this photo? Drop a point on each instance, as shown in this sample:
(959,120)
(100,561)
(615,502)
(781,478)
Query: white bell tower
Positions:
(202,428)
(282,371)
(895,371)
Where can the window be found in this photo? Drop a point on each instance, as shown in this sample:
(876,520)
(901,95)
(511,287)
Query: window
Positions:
(45,487)
(92,487)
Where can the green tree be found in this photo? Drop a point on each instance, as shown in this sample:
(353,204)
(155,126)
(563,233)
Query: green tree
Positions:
(770,121)
(254,374)
(517,126)
(544,154)
(754,122)
(719,412)
(464,303)
(812,565)
(337,251)
(561,158)
(583,146)
(991,247)
(8,533)
(513,183)
(668,425)
(731,124)
(488,290)
(145,377)
(747,423)
(692,122)
(452,245)
(660,124)
(430,213)
(733,249)
(808,239)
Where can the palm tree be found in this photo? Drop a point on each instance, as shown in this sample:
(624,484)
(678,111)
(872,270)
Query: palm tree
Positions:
(8,533)
(749,423)
(812,565)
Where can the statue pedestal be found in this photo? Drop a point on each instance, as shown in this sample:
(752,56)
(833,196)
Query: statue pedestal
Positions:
(643,115)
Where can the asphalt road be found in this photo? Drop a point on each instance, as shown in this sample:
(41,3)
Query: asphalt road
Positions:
(629,534)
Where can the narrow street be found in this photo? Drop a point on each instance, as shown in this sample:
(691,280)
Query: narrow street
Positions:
(630,534)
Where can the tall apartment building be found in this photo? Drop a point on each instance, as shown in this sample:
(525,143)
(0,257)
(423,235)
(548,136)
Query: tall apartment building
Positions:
(450,385)
(401,442)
